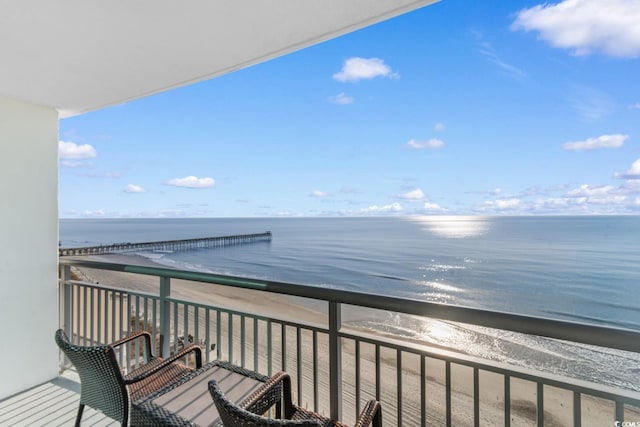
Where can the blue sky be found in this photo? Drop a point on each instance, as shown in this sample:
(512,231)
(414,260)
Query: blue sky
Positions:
(486,108)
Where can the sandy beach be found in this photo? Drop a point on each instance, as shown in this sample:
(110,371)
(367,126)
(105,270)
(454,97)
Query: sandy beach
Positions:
(558,404)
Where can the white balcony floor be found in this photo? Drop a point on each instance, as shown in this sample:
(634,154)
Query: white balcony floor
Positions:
(51,404)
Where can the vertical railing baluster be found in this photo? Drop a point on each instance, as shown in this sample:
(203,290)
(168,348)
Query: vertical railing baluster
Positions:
(230,336)
(577,409)
(540,404)
(283,347)
(129,329)
(316,392)
(255,345)
(112,310)
(357,375)
(476,397)
(399,384)
(335,360)
(423,390)
(120,317)
(299,362)
(507,401)
(92,317)
(207,335)
(127,315)
(176,330)
(196,325)
(218,334)
(185,326)
(242,341)
(66,298)
(448,391)
(165,316)
(378,376)
(145,313)
(84,312)
(64,319)
(99,316)
(156,346)
(619,411)
(134,323)
(269,349)
(77,300)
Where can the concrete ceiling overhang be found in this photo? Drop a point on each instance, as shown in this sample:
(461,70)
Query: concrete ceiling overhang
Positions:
(79,55)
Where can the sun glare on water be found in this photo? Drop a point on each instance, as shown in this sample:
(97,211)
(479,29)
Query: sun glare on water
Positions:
(455,227)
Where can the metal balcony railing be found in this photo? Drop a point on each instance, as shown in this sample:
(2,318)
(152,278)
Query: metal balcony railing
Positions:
(337,366)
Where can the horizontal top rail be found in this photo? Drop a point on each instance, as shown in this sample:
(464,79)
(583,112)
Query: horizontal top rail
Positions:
(617,338)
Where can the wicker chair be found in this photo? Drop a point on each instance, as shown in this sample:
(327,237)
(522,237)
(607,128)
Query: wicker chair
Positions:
(278,388)
(105,388)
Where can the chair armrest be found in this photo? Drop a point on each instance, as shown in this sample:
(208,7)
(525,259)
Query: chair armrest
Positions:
(371,414)
(239,415)
(143,334)
(277,388)
(168,361)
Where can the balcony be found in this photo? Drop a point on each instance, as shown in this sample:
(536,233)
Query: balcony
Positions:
(336,362)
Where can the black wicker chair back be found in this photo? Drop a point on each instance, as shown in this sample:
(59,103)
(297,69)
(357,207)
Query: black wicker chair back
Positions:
(233,415)
(104,387)
(277,392)
(102,383)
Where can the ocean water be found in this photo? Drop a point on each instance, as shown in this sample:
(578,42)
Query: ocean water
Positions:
(577,268)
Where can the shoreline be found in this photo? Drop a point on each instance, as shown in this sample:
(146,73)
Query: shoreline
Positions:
(523,398)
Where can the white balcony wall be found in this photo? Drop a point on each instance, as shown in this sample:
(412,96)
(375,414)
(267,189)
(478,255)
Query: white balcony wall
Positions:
(28,244)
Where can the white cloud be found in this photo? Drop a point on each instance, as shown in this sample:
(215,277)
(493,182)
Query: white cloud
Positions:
(633,173)
(430,206)
(609,27)
(603,141)
(433,144)
(586,199)
(416,194)
(503,204)
(631,186)
(375,209)
(342,99)
(355,69)
(635,106)
(192,182)
(318,193)
(587,190)
(508,203)
(439,127)
(594,196)
(132,188)
(71,150)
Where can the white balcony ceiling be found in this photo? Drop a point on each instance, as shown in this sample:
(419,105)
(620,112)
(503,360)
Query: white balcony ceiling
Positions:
(79,55)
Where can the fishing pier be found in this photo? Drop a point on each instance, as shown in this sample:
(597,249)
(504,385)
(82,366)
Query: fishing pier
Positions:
(167,245)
